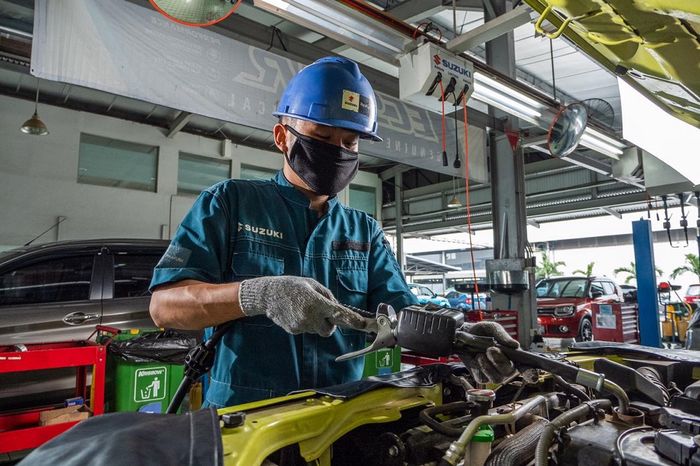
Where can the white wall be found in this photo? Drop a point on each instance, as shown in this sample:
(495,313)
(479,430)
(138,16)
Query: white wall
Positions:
(38,178)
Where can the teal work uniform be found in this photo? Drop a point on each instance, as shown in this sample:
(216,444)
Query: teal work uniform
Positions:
(244,229)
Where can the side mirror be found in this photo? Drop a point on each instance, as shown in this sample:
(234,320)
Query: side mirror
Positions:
(596,294)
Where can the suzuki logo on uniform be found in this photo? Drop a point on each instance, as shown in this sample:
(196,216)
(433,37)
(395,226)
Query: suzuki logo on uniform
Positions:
(260,231)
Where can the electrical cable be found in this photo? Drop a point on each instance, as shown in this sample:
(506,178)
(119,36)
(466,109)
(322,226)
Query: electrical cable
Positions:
(444,128)
(466,189)
(457,163)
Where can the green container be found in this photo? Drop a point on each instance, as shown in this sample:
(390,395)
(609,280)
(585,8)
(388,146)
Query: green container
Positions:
(383,361)
(139,386)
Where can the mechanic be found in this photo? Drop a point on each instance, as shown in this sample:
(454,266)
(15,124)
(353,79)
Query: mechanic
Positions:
(283,257)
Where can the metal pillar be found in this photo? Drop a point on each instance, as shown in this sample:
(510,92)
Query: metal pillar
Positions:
(647,297)
(398,201)
(508,185)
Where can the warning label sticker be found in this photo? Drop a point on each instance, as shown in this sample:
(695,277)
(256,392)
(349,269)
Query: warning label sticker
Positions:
(150,384)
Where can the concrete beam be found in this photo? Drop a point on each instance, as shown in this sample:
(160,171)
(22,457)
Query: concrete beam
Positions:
(490,30)
(178,123)
(393,171)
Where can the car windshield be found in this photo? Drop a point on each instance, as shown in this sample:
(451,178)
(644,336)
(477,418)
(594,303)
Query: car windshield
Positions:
(562,288)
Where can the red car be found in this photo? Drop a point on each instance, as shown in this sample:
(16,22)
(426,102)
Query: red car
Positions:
(563,305)
(692,296)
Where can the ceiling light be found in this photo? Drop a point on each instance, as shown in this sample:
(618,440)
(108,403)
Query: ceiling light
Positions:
(34,125)
(600,145)
(454,203)
(505,103)
(508,91)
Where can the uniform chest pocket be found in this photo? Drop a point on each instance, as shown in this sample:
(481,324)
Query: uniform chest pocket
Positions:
(351,287)
(251,265)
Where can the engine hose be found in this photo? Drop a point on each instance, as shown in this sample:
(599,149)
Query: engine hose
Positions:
(623,401)
(571,389)
(653,376)
(519,449)
(455,452)
(426,416)
(563,420)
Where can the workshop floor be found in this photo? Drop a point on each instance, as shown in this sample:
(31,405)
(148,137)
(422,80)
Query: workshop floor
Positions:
(195,11)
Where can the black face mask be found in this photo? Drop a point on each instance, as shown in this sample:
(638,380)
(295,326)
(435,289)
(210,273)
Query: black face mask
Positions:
(326,168)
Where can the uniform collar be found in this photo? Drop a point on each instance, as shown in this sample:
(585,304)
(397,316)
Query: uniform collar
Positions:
(294,195)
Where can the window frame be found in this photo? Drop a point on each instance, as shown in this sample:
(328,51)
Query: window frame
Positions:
(95,287)
(185,192)
(104,185)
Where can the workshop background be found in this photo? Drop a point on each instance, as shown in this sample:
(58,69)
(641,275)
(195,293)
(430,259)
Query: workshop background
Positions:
(115,115)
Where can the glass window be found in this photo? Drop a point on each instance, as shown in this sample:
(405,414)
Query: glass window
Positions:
(693,290)
(363,198)
(51,281)
(597,287)
(426,291)
(257,173)
(196,173)
(609,288)
(132,274)
(561,288)
(119,164)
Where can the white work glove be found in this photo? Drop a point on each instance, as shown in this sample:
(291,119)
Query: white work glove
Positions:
(492,366)
(298,305)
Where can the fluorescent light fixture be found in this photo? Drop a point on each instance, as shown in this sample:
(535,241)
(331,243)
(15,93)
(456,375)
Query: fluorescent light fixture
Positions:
(605,138)
(508,91)
(600,145)
(505,103)
(341,23)
(281,4)
(667,138)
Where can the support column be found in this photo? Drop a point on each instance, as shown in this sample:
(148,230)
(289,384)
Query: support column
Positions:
(398,201)
(508,189)
(647,296)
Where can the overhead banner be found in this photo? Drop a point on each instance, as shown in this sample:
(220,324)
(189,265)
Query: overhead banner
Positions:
(126,49)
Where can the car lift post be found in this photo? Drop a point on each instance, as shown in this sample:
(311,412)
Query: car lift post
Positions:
(647,297)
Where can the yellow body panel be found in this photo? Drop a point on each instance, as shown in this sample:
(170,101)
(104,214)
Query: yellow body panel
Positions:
(657,41)
(314,422)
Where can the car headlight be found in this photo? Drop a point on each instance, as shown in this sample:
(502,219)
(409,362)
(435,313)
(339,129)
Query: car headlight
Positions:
(564,311)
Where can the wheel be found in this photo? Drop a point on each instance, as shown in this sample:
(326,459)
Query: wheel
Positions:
(585,330)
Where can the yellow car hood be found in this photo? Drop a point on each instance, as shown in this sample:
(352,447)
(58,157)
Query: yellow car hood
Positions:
(653,44)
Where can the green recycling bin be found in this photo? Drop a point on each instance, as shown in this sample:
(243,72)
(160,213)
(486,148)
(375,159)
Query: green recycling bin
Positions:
(382,362)
(144,369)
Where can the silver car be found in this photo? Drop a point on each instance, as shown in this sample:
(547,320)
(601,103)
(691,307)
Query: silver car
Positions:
(60,291)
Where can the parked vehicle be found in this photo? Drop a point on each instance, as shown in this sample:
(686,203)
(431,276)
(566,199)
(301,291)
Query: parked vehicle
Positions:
(425,295)
(629,293)
(463,301)
(692,296)
(59,292)
(564,304)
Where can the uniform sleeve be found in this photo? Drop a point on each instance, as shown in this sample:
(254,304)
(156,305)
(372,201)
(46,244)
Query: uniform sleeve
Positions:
(386,283)
(200,248)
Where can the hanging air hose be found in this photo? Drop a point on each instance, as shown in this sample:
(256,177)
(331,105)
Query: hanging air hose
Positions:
(444,129)
(466,188)
(457,163)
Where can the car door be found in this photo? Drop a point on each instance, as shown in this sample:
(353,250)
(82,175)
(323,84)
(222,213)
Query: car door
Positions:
(126,295)
(50,299)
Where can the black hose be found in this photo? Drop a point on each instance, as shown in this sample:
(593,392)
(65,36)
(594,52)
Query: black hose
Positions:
(426,416)
(571,389)
(653,376)
(519,449)
(545,442)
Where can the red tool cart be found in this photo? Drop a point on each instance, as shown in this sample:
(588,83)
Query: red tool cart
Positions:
(21,430)
(615,322)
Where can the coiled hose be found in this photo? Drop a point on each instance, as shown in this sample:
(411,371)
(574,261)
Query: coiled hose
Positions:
(653,376)
(563,420)
(519,449)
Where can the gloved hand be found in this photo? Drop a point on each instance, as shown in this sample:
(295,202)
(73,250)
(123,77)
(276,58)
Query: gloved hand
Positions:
(492,366)
(298,305)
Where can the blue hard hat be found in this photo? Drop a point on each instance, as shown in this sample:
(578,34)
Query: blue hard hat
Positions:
(333,92)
